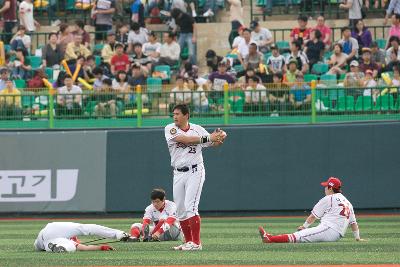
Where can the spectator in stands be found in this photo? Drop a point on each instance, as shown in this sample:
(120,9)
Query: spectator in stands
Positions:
(21,65)
(369,83)
(137,12)
(180,94)
(243,81)
(362,35)
(21,40)
(236,41)
(170,50)
(10,100)
(137,34)
(300,94)
(106,105)
(217,80)
(354,79)
(314,48)
(235,17)
(65,36)
(326,32)
(52,53)
(393,47)
(99,78)
(393,8)
(395,28)
(367,64)
(109,48)
(120,61)
(80,28)
(289,77)
(26,16)
(276,62)
(349,44)
(4,76)
(243,48)
(120,85)
(254,58)
(354,8)
(152,48)
(199,96)
(137,76)
(393,61)
(300,57)
(212,60)
(90,65)
(102,12)
(122,35)
(69,98)
(337,62)
(211,8)
(9,12)
(301,34)
(76,48)
(278,94)
(377,54)
(256,97)
(262,36)
(141,58)
(187,32)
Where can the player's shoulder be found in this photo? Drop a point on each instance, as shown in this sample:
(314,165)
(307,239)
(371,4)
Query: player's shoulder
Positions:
(169,203)
(149,208)
(194,126)
(171,128)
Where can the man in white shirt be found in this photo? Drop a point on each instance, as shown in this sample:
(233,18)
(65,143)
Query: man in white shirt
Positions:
(159,220)
(335,213)
(69,98)
(170,51)
(262,36)
(243,47)
(137,34)
(152,48)
(26,16)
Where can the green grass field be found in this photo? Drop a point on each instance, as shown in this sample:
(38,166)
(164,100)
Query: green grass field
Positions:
(226,241)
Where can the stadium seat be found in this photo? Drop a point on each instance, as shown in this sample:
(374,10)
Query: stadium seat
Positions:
(328,80)
(283,45)
(381,43)
(341,77)
(364,103)
(185,53)
(164,69)
(327,55)
(320,68)
(345,103)
(35,62)
(49,73)
(97,48)
(97,59)
(7,48)
(384,103)
(310,77)
(20,84)
(154,85)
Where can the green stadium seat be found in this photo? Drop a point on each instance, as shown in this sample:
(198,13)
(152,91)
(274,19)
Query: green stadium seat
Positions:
(185,53)
(384,103)
(345,103)
(364,103)
(320,68)
(98,47)
(201,3)
(234,56)
(154,85)
(327,55)
(261,2)
(238,68)
(381,43)
(310,77)
(341,77)
(7,48)
(283,45)
(35,62)
(165,69)
(328,80)
(49,73)
(97,59)
(20,84)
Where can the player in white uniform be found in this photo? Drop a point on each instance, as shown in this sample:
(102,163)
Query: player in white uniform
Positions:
(335,213)
(161,215)
(185,142)
(62,237)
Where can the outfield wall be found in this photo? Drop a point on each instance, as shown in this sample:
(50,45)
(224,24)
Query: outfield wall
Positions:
(258,168)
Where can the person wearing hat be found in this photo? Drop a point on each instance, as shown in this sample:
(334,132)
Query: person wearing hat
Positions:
(300,94)
(377,54)
(367,64)
(212,60)
(369,83)
(108,50)
(217,80)
(76,48)
(354,79)
(290,76)
(334,211)
(262,36)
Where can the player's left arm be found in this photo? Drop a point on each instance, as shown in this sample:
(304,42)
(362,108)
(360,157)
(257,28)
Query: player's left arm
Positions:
(162,226)
(309,221)
(354,225)
(94,247)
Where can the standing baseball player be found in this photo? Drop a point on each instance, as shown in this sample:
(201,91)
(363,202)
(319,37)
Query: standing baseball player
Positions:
(335,213)
(62,237)
(185,142)
(161,214)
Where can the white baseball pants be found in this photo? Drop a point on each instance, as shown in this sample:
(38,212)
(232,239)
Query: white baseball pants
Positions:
(320,233)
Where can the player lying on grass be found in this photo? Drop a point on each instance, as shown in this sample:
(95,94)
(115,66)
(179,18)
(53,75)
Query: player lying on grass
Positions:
(159,220)
(62,237)
(335,213)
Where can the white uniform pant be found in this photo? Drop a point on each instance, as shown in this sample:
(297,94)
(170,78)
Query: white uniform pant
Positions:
(187,191)
(172,233)
(320,233)
(59,233)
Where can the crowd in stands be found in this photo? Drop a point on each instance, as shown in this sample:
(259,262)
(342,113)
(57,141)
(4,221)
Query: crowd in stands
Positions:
(267,75)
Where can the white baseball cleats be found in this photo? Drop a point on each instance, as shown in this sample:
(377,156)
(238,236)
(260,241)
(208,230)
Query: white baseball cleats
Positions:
(189,246)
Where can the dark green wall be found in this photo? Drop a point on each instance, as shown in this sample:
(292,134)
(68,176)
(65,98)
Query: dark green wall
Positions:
(264,167)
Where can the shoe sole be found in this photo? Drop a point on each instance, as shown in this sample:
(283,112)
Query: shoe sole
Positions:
(262,231)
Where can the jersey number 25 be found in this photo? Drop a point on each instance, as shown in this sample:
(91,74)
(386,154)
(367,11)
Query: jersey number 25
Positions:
(345,210)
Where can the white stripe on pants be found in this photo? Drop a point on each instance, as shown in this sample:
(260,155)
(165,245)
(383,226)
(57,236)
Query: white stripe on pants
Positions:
(320,233)
(187,191)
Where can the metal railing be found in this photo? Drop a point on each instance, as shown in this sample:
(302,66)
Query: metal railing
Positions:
(280,104)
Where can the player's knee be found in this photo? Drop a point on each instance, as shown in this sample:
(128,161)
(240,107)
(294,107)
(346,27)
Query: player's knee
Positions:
(136,225)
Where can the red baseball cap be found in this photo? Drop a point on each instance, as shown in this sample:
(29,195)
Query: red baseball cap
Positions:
(332,182)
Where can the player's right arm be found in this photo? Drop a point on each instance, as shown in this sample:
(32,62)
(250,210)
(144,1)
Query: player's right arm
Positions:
(316,213)
(93,247)
(310,220)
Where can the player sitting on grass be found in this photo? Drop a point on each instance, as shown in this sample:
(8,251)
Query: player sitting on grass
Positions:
(62,237)
(335,213)
(162,215)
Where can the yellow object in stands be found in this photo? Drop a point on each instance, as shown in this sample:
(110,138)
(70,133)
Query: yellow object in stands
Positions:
(85,84)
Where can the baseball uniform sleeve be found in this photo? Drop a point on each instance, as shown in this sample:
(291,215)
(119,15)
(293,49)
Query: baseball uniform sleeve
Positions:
(203,132)
(147,213)
(352,218)
(319,209)
(171,210)
(171,132)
